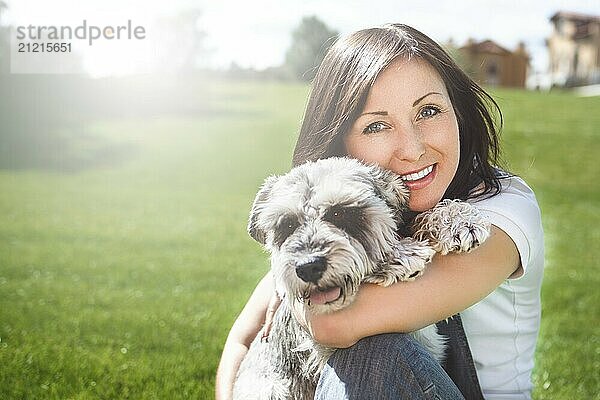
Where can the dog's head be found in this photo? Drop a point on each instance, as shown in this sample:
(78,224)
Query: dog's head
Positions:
(327,224)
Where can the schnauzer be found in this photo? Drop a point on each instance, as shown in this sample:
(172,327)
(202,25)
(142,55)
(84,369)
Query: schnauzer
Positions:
(329,226)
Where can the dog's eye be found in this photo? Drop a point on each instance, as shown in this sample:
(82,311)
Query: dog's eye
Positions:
(335,213)
(286,226)
(343,217)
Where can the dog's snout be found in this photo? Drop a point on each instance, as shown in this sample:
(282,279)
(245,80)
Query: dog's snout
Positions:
(312,271)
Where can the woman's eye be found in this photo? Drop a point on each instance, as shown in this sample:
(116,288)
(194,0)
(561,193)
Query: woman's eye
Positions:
(374,127)
(428,112)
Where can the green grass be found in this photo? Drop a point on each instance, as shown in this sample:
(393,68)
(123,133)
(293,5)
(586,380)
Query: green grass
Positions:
(122,281)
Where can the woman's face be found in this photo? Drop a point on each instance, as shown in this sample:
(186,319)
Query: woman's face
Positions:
(409,126)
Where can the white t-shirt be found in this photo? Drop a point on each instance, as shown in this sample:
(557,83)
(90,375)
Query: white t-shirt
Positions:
(502,328)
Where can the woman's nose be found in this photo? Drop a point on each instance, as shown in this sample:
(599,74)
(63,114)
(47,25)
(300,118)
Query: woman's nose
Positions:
(409,145)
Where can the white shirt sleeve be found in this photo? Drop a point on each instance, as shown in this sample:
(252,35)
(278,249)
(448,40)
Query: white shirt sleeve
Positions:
(515,210)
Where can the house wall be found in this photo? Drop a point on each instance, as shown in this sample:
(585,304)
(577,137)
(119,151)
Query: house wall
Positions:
(491,69)
(574,61)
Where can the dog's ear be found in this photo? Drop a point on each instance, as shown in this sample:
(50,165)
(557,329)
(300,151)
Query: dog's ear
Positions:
(390,187)
(262,196)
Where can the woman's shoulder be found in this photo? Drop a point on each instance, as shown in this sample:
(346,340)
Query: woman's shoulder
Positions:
(514,200)
(509,186)
(513,185)
(515,210)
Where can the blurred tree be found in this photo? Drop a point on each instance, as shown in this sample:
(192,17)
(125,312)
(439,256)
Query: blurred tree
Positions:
(310,41)
(181,42)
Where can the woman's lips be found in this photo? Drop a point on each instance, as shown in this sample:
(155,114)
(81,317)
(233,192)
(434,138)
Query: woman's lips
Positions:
(423,182)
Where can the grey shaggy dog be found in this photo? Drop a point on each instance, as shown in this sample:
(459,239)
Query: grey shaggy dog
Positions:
(329,226)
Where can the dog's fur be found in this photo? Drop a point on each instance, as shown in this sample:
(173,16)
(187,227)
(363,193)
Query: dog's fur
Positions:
(343,217)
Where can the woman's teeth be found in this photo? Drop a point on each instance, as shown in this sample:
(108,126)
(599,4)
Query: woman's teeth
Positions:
(417,175)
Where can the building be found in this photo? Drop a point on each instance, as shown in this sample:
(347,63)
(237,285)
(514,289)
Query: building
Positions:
(491,64)
(574,49)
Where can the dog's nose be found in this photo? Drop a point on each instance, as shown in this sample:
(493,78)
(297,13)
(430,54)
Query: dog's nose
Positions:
(313,270)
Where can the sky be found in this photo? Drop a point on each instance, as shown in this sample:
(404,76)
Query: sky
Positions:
(257,33)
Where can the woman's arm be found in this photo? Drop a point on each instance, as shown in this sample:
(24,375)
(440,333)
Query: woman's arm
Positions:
(450,284)
(241,335)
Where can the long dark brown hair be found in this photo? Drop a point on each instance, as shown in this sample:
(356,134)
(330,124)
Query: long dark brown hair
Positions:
(342,84)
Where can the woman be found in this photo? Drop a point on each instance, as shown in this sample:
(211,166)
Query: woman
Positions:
(391,95)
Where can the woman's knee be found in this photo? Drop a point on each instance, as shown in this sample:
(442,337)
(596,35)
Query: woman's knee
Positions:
(385,366)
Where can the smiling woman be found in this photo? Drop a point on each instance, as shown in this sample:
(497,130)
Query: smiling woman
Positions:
(408,132)
(336,108)
(393,97)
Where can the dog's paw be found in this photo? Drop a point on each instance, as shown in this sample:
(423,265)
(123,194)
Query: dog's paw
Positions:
(452,226)
(408,262)
(413,256)
(384,277)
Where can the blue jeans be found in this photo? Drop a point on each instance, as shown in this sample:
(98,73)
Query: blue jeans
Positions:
(385,367)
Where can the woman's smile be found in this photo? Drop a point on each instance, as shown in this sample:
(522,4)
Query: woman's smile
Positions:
(420,179)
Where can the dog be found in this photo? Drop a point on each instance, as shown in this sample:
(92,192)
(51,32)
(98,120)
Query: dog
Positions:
(329,226)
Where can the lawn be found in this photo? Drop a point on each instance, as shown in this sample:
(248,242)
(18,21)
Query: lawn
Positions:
(122,280)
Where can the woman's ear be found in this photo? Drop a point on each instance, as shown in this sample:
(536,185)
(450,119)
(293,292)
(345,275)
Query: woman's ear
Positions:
(263,195)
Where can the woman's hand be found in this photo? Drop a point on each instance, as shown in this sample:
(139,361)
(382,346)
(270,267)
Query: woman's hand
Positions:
(331,329)
(324,328)
(271,310)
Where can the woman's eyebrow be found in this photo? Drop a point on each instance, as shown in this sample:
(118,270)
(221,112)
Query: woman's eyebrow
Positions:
(374,113)
(421,98)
